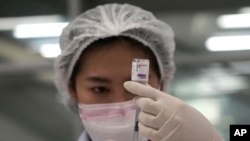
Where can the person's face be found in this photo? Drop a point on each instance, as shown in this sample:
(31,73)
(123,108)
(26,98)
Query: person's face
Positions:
(103,72)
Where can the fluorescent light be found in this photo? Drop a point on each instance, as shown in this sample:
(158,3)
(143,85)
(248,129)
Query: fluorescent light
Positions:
(234,21)
(11,22)
(50,50)
(244,9)
(39,30)
(228,43)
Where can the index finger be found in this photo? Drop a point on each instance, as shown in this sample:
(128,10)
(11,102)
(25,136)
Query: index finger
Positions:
(142,90)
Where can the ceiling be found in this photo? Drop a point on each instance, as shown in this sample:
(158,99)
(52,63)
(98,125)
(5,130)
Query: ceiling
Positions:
(193,21)
(26,77)
(43,7)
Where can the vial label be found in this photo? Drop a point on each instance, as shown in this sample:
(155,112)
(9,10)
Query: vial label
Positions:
(140,70)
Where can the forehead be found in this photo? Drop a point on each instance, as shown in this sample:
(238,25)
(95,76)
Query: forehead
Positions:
(116,53)
(113,60)
(113,53)
(116,47)
(111,42)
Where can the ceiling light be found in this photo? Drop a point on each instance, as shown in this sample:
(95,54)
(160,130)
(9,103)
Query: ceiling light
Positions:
(39,30)
(234,21)
(50,50)
(10,23)
(228,43)
(244,9)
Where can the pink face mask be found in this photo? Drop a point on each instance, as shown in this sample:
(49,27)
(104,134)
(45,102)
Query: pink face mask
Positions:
(113,121)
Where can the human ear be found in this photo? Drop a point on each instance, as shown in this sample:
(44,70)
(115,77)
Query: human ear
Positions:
(72,93)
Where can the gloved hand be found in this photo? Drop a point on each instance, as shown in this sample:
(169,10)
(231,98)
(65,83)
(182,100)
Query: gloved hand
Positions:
(166,118)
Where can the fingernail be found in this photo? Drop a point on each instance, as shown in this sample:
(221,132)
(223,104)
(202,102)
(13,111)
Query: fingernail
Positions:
(127,85)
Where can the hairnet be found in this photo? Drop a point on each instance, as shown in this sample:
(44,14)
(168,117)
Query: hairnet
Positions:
(113,20)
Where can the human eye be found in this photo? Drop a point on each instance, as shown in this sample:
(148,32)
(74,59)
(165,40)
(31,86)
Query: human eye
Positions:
(100,89)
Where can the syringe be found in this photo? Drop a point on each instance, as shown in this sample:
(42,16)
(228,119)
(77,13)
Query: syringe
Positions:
(136,128)
(140,73)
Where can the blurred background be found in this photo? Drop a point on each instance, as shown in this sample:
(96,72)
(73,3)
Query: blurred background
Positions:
(212,59)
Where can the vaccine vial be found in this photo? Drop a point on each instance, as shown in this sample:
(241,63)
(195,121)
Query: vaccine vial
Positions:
(140,73)
(140,70)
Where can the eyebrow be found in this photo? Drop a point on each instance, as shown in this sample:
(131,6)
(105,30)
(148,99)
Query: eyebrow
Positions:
(99,79)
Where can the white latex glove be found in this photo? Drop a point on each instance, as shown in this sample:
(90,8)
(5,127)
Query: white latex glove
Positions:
(166,118)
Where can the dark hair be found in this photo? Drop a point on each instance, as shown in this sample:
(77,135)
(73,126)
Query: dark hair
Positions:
(111,40)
